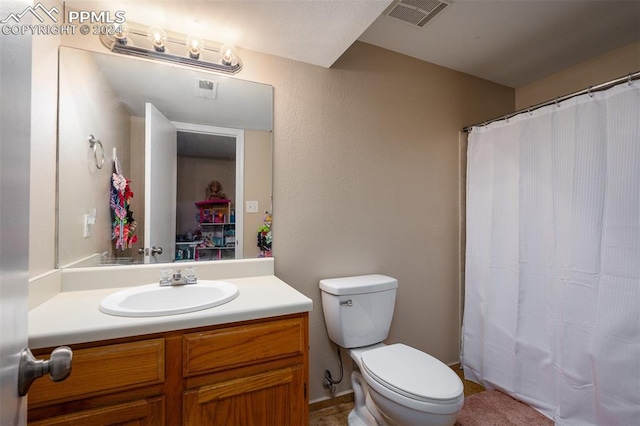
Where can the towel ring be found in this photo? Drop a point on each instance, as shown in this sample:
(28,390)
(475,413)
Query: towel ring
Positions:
(94,143)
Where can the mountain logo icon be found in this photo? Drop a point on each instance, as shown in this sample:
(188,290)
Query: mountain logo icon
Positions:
(37,11)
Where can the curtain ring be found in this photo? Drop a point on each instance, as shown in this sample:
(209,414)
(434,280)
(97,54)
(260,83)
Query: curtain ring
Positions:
(506,118)
(629,80)
(94,143)
(529,111)
(557,103)
(589,92)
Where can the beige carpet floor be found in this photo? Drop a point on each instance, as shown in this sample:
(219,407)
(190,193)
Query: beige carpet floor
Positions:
(493,408)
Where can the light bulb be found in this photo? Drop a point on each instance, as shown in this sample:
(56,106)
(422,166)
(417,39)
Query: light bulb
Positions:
(195,46)
(229,55)
(158,38)
(121,35)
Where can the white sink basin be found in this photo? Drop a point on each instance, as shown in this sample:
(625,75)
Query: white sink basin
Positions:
(151,300)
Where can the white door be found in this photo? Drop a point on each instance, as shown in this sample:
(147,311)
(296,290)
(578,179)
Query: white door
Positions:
(160,176)
(15,143)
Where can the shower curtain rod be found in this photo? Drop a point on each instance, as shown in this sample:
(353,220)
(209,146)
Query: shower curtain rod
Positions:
(603,86)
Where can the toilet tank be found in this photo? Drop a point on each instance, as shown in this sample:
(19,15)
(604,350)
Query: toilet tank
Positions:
(358,310)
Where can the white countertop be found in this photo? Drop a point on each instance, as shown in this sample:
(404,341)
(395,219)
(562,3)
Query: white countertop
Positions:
(73,316)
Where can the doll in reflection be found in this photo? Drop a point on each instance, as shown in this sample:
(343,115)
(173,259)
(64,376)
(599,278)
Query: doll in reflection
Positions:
(214,191)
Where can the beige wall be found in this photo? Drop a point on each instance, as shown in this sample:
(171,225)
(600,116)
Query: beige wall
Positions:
(83,185)
(365,181)
(617,63)
(257,185)
(194,176)
(44,107)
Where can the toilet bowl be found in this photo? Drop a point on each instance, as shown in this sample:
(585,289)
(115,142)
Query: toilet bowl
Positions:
(393,384)
(410,387)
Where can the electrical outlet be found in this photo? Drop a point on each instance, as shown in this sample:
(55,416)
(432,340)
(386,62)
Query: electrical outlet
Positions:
(252,207)
(87,226)
(89,219)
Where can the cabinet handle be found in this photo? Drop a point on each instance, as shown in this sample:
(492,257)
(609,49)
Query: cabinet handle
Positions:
(156,250)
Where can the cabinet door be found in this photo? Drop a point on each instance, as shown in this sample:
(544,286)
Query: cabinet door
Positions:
(146,412)
(102,370)
(275,398)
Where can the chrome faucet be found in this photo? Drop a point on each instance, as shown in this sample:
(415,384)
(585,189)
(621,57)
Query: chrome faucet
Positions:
(178,279)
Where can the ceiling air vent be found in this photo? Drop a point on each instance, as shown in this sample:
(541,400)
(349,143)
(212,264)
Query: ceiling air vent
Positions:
(416,12)
(206,88)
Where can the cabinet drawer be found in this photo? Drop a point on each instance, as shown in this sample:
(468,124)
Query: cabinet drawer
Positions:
(103,369)
(149,412)
(242,345)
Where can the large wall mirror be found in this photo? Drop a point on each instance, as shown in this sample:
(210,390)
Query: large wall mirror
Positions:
(159,163)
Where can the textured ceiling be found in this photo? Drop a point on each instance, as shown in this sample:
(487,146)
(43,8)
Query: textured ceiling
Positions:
(511,42)
(312,31)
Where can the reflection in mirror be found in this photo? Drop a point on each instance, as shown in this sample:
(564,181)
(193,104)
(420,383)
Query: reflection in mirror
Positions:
(208,129)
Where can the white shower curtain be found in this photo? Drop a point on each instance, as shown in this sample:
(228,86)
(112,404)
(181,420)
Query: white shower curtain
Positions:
(552,291)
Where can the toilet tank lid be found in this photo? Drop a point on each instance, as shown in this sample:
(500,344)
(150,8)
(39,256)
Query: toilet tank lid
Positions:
(358,284)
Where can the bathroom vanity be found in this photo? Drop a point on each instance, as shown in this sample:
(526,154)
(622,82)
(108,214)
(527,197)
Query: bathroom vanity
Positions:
(244,362)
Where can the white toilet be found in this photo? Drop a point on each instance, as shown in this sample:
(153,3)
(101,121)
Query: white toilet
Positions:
(392,384)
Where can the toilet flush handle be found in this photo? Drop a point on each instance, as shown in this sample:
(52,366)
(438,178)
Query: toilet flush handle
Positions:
(346,303)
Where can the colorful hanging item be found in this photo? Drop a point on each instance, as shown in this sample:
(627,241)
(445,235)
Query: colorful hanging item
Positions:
(123,224)
(264,236)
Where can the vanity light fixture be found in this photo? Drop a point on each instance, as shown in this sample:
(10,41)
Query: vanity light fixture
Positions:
(195,45)
(229,55)
(121,35)
(158,38)
(193,51)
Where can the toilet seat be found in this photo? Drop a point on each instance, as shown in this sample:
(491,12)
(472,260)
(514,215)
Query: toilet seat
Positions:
(413,378)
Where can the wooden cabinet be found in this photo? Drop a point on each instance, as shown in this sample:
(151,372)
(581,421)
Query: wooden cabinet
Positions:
(246,373)
(103,369)
(139,413)
(259,398)
(263,399)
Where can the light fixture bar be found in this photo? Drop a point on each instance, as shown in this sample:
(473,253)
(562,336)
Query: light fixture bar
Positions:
(141,52)
(168,57)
